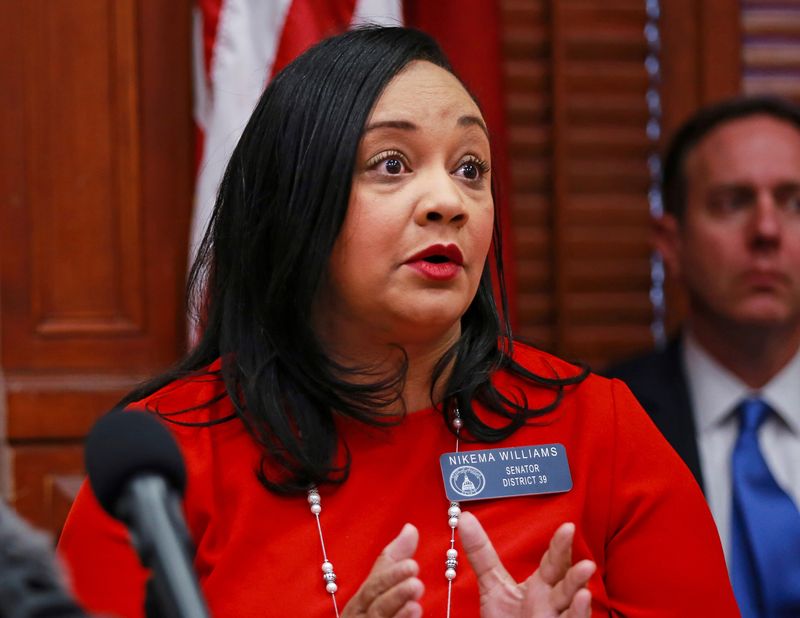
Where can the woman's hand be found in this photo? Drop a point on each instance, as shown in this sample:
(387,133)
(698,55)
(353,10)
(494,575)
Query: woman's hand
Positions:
(392,588)
(556,589)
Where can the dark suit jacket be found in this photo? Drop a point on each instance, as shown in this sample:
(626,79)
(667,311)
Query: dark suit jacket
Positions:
(658,381)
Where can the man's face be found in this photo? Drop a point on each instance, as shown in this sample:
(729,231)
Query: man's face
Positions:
(737,249)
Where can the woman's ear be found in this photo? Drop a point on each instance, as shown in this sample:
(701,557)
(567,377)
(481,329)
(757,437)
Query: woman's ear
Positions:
(667,241)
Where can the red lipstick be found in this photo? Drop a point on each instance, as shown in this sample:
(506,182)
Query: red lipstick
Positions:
(437,262)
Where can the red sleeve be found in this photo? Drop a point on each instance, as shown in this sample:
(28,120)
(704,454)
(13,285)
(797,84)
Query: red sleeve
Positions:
(663,552)
(104,569)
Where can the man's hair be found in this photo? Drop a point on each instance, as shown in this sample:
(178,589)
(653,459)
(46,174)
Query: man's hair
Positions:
(674,184)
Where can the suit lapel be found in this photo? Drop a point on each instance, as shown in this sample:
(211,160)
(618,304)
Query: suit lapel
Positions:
(672,412)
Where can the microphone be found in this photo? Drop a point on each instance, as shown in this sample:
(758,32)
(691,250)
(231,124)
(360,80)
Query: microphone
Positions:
(137,475)
(31,583)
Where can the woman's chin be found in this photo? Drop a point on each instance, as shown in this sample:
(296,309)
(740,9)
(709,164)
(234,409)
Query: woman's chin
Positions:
(430,322)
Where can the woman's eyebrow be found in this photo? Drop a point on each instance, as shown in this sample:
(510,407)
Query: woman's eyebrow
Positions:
(463,121)
(391,124)
(466,121)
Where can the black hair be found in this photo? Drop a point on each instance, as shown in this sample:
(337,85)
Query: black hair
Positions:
(280,206)
(701,124)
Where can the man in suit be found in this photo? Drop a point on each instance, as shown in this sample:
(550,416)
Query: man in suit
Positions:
(726,391)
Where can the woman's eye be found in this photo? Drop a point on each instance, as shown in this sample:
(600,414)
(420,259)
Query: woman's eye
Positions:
(388,163)
(472,169)
(393,166)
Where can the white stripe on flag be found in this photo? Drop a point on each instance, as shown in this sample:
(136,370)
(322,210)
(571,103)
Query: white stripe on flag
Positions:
(242,57)
(384,12)
(200,84)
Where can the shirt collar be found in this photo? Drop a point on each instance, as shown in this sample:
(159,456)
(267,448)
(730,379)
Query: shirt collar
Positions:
(715,392)
(783,393)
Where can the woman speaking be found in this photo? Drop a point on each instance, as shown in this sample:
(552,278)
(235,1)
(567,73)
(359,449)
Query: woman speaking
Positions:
(362,433)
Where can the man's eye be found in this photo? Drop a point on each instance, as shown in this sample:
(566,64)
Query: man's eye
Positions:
(788,199)
(732,202)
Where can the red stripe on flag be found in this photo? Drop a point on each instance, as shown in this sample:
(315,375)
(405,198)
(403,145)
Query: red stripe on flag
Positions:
(307,22)
(210,10)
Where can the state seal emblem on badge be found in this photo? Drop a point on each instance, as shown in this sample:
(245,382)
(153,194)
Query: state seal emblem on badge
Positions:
(467,481)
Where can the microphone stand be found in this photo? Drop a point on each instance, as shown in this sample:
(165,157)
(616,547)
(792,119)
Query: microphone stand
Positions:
(155,521)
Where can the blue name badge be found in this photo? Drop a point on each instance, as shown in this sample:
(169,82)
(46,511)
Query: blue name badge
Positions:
(505,472)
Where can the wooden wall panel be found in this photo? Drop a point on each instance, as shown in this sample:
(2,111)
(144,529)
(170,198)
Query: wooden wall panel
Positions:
(96,177)
(701,55)
(83,154)
(576,111)
(576,87)
(771,48)
(59,407)
(37,467)
(603,209)
(75,268)
(527,73)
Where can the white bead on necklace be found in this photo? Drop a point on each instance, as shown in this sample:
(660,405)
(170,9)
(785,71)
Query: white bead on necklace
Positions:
(451,563)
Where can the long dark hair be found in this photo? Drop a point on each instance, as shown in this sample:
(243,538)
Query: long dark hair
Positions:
(281,204)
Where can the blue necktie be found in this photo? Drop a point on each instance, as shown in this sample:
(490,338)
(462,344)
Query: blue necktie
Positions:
(765,565)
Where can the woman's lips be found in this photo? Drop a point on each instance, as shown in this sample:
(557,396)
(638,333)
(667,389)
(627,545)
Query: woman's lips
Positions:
(437,262)
(443,271)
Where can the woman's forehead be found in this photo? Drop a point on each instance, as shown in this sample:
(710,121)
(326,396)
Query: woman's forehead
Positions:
(423,87)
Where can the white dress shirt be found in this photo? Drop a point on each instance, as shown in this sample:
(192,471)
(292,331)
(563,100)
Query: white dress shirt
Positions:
(714,393)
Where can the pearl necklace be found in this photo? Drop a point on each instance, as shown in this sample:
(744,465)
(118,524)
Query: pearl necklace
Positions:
(451,562)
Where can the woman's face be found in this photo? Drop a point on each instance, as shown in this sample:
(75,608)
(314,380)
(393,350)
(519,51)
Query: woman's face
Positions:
(412,249)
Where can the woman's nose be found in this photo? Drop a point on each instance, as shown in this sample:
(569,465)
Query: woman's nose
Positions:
(441,201)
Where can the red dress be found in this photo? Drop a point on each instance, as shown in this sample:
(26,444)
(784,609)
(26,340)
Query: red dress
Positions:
(638,512)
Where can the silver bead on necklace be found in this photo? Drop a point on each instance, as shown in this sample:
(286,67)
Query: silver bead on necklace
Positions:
(451,562)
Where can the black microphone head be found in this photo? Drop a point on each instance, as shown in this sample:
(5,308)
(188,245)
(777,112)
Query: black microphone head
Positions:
(125,444)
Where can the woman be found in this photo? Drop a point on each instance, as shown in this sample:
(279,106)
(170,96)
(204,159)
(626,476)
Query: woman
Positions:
(351,340)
